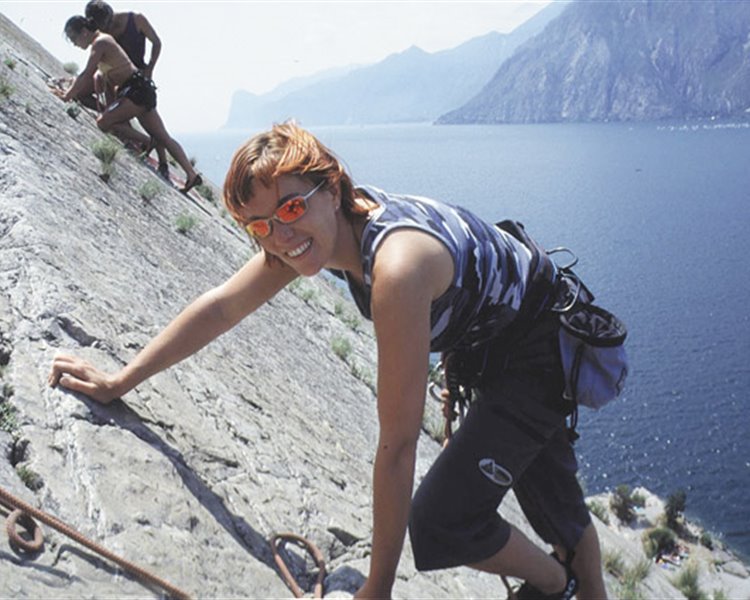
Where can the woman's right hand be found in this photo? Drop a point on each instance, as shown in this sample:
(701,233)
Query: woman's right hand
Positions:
(81,376)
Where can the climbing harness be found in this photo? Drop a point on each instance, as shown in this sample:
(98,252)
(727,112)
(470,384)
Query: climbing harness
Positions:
(286,575)
(25,514)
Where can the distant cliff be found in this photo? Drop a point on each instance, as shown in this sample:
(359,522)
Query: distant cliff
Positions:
(410,86)
(270,428)
(624,60)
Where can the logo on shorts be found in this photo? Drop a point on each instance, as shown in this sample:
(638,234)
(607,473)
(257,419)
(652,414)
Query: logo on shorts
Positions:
(495,473)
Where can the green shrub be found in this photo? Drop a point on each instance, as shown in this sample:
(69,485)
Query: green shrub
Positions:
(365,375)
(639,571)
(149,190)
(674,508)
(10,63)
(686,581)
(720,595)
(659,540)
(30,478)
(629,590)
(105,149)
(599,510)
(107,170)
(73,110)
(185,223)
(707,540)
(71,68)
(341,347)
(352,320)
(206,192)
(638,499)
(6,90)
(622,504)
(8,417)
(613,562)
(307,294)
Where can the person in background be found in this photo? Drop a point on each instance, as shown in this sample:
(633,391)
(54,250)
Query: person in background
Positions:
(135,95)
(433,277)
(130,30)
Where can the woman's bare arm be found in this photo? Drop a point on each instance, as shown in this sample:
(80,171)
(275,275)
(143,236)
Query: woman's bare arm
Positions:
(206,318)
(411,270)
(143,25)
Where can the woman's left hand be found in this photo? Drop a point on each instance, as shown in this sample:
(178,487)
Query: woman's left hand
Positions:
(62,94)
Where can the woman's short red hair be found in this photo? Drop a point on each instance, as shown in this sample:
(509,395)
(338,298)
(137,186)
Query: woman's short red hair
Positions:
(286,149)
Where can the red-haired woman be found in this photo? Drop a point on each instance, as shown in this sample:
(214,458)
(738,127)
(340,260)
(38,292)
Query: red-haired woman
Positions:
(432,277)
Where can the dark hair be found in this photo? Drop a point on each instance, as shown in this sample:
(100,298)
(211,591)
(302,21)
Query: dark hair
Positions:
(100,13)
(77,24)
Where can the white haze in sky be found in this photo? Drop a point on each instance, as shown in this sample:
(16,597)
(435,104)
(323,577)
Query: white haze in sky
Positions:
(211,49)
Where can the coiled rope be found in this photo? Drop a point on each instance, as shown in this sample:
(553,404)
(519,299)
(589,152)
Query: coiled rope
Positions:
(286,575)
(25,514)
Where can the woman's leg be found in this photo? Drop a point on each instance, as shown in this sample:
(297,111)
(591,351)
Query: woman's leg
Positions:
(525,560)
(153,124)
(587,565)
(116,120)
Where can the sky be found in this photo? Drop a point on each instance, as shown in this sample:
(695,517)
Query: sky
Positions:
(212,49)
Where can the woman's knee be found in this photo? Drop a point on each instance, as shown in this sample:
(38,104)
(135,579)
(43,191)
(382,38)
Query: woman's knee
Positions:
(103,123)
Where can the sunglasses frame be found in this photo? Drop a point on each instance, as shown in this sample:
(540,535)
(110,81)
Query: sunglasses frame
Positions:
(275,217)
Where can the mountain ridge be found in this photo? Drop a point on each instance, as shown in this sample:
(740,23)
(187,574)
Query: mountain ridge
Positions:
(624,61)
(408,86)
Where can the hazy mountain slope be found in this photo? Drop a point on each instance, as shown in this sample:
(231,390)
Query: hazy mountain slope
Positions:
(409,86)
(624,60)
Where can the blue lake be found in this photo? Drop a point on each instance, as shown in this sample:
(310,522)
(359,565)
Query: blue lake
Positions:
(658,215)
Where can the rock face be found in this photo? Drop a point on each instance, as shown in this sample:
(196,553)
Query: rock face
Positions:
(271,428)
(624,60)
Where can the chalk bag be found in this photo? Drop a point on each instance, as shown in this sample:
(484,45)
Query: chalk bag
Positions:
(593,355)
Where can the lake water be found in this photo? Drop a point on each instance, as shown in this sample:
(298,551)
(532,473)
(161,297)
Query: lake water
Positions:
(659,217)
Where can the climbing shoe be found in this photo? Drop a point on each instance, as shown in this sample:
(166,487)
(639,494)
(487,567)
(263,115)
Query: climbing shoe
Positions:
(529,592)
(163,170)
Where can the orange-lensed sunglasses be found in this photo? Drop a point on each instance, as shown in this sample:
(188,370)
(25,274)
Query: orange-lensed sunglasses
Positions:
(287,213)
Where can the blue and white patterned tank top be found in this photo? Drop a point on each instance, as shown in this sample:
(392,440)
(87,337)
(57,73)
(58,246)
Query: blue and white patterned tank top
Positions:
(491,267)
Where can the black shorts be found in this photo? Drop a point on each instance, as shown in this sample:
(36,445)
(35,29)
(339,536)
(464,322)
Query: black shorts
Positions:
(514,436)
(138,90)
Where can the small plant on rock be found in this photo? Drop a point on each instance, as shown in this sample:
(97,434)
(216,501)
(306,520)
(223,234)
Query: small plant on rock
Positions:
(6,90)
(341,347)
(598,509)
(73,110)
(206,192)
(105,149)
(674,508)
(707,540)
(686,581)
(613,562)
(622,504)
(185,223)
(30,478)
(149,190)
(10,63)
(658,541)
(70,68)
(8,419)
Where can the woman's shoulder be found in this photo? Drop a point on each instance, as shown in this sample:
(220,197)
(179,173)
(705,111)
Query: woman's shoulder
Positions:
(104,40)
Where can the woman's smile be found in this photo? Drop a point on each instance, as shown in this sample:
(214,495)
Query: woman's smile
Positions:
(299,250)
